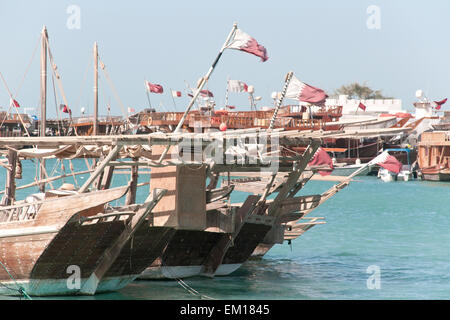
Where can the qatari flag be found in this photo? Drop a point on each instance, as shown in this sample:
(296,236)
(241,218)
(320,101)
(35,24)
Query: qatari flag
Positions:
(14,103)
(155,88)
(242,41)
(206,93)
(304,92)
(64,108)
(176,94)
(237,86)
(321,158)
(388,162)
(440,103)
(362,106)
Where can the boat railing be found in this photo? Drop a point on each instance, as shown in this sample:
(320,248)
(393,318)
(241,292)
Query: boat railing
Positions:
(20,212)
(4,132)
(161,116)
(13,116)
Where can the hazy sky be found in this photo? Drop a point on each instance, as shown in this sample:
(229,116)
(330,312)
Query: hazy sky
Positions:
(326,43)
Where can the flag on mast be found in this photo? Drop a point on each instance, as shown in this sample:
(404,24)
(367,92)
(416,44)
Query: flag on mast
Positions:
(14,103)
(440,103)
(362,106)
(388,162)
(176,94)
(237,86)
(304,92)
(65,108)
(244,42)
(206,93)
(321,158)
(155,88)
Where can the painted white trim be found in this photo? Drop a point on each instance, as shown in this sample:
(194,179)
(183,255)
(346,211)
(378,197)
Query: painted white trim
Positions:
(27,231)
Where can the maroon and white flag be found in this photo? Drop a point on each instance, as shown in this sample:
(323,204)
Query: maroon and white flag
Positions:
(321,158)
(65,108)
(440,103)
(206,93)
(155,88)
(237,86)
(390,163)
(304,92)
(362,106)
(176,94)
(244,42)
(14,103)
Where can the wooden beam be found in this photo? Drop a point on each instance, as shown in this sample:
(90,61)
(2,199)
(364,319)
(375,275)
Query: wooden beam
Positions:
(131,195)
(111,254)
(10,187)
(113,153)
(293,178)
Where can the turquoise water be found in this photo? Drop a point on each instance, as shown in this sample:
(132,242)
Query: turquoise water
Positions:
(401,227)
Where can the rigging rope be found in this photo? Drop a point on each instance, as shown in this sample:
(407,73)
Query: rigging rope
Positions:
(20,289)
(58,78)
(29,65)
(113,89)
(56,105)
(11,97)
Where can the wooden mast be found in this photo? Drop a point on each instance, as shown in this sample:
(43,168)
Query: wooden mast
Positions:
(95,122)
(44,39)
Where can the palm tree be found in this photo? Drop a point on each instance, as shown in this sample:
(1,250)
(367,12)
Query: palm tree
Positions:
(360,92)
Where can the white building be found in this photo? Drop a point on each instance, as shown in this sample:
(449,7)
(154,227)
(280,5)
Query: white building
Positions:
(374,107)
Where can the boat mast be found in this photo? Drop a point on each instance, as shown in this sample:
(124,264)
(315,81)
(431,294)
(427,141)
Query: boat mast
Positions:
(280,100)
(95,123)
(44,39)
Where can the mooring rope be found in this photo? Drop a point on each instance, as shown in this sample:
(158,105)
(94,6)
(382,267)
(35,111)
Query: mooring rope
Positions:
(20,289)
(192,290)
(187,287)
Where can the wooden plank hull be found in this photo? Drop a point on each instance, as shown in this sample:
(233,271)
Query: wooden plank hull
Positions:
(436,176)
(38,251)
(184,256)
(146,245)
(245,243)
(41,262)
(261,249)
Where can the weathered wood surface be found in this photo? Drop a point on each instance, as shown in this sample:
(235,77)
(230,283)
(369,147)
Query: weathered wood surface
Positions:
(59,235)
(218,251)
(113,251)
(294,231)
(54,212)
(10,184)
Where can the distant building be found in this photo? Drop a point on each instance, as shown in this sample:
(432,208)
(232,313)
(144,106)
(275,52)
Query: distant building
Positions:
(374,107)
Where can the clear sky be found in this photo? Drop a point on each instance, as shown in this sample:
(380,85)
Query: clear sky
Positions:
(326,43)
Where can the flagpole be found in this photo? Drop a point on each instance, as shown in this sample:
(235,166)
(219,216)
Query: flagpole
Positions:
(200,87)
(173,99)
(226,92)
(205,79)
(252,101)
(148,96)
(280,100)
